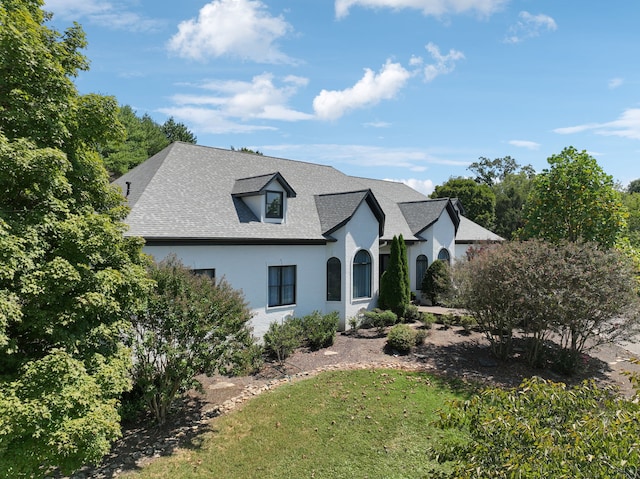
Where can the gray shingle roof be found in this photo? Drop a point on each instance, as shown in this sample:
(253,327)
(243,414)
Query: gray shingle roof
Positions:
(422,214)
(336,209)
(192,192)
(257,184)
(471,232)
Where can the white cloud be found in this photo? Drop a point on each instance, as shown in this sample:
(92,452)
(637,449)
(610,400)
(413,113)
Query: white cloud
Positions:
(377,124)
(117,16)
(427,7)
(369,90)
(232,102)
(615,83)
(530,26)
(425,187)
(413,159)
(237,28)
(626,126)
(443,63)
(209,121)
(530,145)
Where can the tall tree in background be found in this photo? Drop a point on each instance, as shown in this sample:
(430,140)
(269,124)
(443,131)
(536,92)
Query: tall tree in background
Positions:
(511,184)
(478,200)
(574,200)
(143,139)
(69,281)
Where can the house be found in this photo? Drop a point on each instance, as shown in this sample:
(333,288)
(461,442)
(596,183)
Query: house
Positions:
(295,237)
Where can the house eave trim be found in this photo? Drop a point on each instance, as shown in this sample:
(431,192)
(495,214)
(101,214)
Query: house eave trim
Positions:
(161,241)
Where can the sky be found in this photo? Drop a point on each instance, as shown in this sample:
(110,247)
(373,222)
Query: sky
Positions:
(405,90)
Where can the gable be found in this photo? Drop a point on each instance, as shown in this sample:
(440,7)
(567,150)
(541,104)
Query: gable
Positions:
(336,209)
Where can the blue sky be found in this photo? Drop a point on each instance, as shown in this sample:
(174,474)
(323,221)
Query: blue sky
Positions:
(408,90)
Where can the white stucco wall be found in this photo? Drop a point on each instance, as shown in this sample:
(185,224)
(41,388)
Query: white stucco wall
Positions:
(246,268)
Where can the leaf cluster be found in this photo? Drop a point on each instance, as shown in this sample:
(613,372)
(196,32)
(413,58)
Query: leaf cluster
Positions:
(543,429)
(582,294)
(190,326)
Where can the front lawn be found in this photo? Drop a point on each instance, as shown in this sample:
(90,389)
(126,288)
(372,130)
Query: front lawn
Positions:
(363,423)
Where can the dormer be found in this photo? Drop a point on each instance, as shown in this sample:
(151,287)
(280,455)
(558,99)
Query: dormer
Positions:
(265,195)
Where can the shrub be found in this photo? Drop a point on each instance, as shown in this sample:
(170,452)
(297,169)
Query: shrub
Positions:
(381,319)
(412,314)
(421,336)
(467,322)
(428,320)
(580,293)
(401,337)
(283,338)
(436,283)
(319,330)
(190,326)
(544,429)
(248,361)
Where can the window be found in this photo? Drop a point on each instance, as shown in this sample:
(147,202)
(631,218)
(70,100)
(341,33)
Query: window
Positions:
(208,272)
(362,275)
(282,285)
(421,267)
(274,204)
(334,280)
(444,255)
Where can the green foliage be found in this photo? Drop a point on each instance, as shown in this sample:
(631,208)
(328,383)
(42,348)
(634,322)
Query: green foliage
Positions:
(69,281)
(436,283)
(144,138)
(320,330)
(477,199)
(631,202)
(544,429)
(380,319)
(429,319)
(412,313)
(574,200)
(190,326)
(579,293)
(55,415)
(395,292)
(401,338)
(283,338)
(634,186)
(177,132)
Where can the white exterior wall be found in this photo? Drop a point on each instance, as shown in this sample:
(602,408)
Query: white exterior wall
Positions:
(360,233)
(246,267)
(444,236)
(461,251)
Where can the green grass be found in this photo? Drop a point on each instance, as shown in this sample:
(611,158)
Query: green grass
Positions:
(342,424)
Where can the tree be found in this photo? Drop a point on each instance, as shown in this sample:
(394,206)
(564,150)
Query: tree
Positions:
(631,202)
(491,172)
(436,283)
(574,200)
(178,132)
(394,288)
(69,280)
(634,186)
(477,199)
(511,195)
(510,183)
(144,138)
(190,326)
(581,293)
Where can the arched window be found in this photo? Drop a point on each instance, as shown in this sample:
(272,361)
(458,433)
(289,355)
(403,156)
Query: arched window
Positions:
(421,267)
(362,275)
(334,280)
(444,255)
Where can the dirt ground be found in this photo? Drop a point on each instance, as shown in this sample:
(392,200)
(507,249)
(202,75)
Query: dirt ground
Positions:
(447,351)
